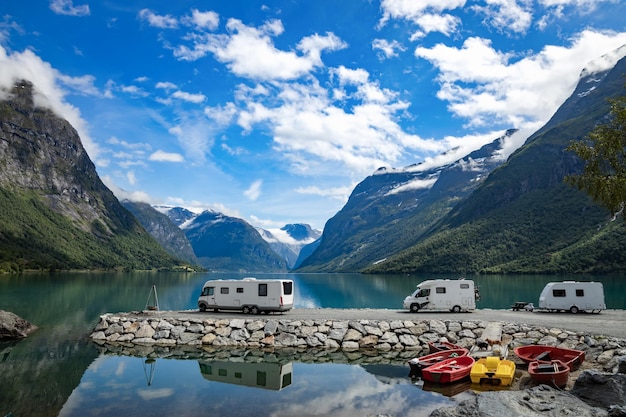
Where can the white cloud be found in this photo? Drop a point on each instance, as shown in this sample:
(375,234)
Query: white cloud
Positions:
(249,52)
(387,49)
(165,85)
(195,136)
(204,20)
(163,156)
(131,177)
(417,184)
(159,21)
(66,7)
(507,15)
(426,14)
(487,86)
(192,98)
(336,193)
(48,92)
(254,191)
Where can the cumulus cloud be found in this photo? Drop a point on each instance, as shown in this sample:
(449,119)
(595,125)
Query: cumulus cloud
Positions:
(507,15)
(488,86)
(250,52)
(192,98)
(66,7)
(159,21)
(387,49)
(426,14)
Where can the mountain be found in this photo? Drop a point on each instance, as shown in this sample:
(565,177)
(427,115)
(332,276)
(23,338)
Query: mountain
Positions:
(289,240)
(55,212)
(230,244)
(523,218)
(163,229)
(391,210)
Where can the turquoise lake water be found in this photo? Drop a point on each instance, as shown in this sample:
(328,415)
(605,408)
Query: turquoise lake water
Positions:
(58,371)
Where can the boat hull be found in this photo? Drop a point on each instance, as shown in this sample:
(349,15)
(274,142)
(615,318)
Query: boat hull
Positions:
(531,353)
(555,373)
(417,364)
(493,370)
(449,370)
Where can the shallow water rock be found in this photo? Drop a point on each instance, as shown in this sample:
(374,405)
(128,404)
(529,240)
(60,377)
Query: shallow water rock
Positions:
(14,327)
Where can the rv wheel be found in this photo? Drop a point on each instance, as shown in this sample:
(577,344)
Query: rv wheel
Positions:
(573,309)
(202,308)
(254,310)
(246,310)
(415,308)
(456,309)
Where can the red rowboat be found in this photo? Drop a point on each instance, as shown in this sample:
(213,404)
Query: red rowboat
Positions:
(417,364)
(440,346)
(553,373)
(571,357)
(449,370)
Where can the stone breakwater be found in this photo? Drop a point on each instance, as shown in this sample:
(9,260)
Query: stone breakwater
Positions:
(408,338)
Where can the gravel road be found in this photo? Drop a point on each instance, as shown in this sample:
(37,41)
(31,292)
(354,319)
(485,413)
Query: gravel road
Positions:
(607,323)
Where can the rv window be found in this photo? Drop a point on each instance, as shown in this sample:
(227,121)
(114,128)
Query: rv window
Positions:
(222,372)
(262,290)
(286,380)
(558,293)
(440,290)
(224,290)
(424,293)
(239,290)
(287,287)
(580,293)
(261,378)
(207,291)
(464,286)
(238,375)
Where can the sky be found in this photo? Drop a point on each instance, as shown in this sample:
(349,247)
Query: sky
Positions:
(273,111)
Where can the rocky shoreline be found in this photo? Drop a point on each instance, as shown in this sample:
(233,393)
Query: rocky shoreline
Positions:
(395,340)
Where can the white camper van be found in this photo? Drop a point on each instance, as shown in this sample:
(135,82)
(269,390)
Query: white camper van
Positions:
(267,375)
(443,294)
(573,296)
(249,295)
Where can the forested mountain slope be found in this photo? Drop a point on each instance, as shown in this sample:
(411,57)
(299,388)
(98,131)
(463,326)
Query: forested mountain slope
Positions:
(524,218)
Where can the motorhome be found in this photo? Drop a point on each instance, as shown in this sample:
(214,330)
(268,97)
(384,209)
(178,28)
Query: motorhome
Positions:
(249,295)
(443,294)
(573,296)
(268,375)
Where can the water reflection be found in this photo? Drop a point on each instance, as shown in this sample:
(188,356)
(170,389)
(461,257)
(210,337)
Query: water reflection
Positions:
(122,382)
(266,375)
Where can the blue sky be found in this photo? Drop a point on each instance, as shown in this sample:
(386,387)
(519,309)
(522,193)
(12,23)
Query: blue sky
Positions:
(274,110)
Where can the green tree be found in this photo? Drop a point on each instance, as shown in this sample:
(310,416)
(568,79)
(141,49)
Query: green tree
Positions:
(604,153)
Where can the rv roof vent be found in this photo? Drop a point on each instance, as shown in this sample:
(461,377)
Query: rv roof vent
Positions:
(249,279)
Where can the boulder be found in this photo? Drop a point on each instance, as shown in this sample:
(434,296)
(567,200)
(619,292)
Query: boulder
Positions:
(601,389)
(538,401)
(13,326)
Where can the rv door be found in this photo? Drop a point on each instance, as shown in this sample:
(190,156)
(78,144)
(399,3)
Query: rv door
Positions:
(209,293)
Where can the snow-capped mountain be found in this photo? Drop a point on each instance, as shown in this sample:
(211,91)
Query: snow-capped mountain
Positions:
(289,240)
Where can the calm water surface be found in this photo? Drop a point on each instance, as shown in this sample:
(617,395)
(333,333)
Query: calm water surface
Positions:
(58,371)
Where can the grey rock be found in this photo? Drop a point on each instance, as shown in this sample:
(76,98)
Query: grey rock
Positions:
(538,401)
(600,389)
(14,327)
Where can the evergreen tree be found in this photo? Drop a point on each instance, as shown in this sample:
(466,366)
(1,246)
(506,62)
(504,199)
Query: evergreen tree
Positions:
(604,152)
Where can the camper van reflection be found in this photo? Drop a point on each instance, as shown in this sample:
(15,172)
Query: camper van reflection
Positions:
(267,375)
